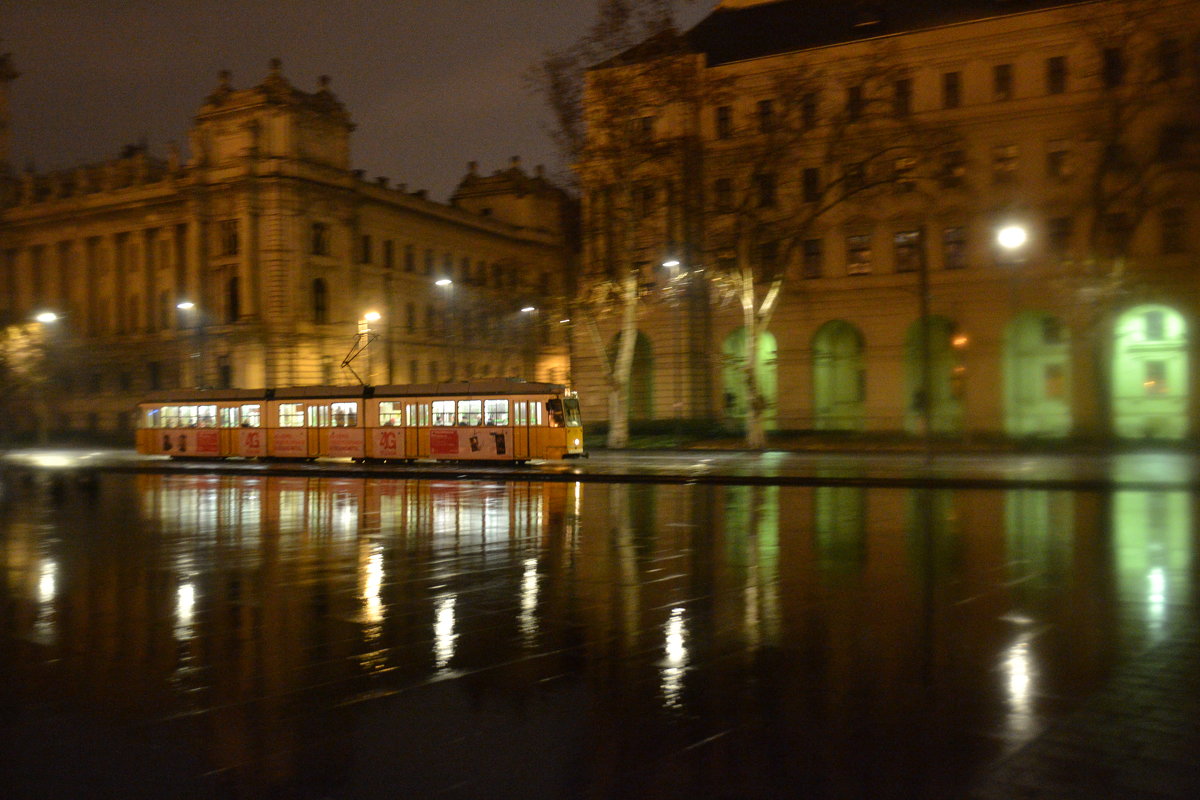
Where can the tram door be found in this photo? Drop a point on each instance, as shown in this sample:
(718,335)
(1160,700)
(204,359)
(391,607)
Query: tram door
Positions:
(520,430)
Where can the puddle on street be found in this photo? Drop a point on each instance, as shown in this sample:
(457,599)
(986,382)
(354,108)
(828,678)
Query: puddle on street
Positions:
(207,636)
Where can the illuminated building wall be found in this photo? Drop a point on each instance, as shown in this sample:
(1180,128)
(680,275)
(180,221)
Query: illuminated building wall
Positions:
(281,248)
(1011,109)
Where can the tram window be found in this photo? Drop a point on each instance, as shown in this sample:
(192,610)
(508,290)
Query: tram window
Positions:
(318,416)
(536,417)
(187,416)
(345,415)
(206,416)
(170,417)
(150,418)
(229,417)
(443,413)
(495,413)
(390,413)
(571,407)
(520,413)
(555,407)
(470,412)
(252,416)
(291,415)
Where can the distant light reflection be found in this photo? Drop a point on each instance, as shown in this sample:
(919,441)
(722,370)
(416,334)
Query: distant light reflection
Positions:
(44,624)
(443,632)
(675,663)
(1157,598)
(185,611)
(372,587)
(529,598)
(1019,666)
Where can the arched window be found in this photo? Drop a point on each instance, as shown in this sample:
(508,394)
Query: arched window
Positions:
(320,302)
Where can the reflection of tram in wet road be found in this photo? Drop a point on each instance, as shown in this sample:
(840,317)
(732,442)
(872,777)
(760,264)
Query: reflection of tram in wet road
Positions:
(494,420)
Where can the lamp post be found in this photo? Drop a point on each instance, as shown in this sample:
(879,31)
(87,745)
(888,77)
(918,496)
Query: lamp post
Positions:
(529,312)
(672,264)
(197,356)
(446,284)
(43,380)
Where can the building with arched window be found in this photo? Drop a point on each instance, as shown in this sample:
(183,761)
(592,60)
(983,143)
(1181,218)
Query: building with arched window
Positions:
(978,216)
(250,261)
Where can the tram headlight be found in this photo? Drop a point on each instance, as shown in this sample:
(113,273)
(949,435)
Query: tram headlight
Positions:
(577,443)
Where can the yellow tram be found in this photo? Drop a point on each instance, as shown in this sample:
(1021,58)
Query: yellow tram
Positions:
(491,420)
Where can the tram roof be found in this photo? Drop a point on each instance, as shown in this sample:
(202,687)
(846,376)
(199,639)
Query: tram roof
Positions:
(205,395)
(493,386)
(485,386)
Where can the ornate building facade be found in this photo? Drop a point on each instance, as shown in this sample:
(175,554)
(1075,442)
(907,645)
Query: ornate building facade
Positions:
(258,259)
(861,162)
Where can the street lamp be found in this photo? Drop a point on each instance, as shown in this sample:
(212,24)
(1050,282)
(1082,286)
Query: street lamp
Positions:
(46,317)
(192,310)
(1012,237)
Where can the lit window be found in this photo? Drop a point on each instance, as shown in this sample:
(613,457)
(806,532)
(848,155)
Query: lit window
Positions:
(1156,378)
(1153,326)
(470,412)
(291,415)
(954,247)
(858,254)
(345,415)
(907,246)
(443,411)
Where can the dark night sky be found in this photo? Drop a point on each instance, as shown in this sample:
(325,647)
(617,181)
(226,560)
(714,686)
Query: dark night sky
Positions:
(431,84)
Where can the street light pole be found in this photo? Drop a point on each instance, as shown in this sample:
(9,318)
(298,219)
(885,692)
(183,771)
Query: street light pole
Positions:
(193,311)
(925,390)
(446,284)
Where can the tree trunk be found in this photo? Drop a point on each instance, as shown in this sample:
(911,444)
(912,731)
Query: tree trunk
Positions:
(622,364)
(756,433)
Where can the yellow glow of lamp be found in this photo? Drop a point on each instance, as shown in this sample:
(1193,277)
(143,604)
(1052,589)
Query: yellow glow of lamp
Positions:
(1010,237)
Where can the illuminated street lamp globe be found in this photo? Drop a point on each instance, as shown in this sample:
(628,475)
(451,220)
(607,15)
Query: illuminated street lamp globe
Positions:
(372,316)
(1012,237)
(186,305)
(443,282)
(528,309)
(46,317)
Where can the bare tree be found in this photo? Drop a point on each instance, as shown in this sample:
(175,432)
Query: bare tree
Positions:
(616,97)
(817,143)
(1137,161)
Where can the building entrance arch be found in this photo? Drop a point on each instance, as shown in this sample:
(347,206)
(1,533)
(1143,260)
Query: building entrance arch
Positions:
(1150,373)
(947,377)
(733,379)
(839,378)
(1037,376)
